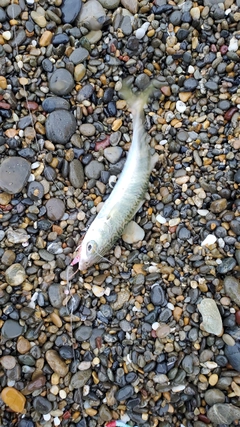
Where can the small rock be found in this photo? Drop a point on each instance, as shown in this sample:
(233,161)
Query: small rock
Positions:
(218,205)
(113,154)
(61,82)
(79,379)
(232,288)
(42,405)
(90,12)
(133,233)
(60,126)
(14,399)
(223,413)
(55,209)
(227,265)
(70,10)
(87,129)
(212,321)
(93,169)
(11,329)
(56,363)
(14,174)
(76,173)
(15,275)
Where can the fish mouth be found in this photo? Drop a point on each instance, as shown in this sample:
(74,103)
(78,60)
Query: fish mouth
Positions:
(77,258)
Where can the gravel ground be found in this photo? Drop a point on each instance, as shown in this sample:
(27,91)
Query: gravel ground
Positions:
(151,335)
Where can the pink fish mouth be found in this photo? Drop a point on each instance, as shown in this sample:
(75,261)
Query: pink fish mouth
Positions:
(76,260)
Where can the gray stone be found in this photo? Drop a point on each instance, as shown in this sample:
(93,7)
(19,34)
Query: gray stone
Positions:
(113,154)
(76,173)
(42,405)
(228,264)
(14,174)
(212,321)
(232,288)
(94,169)
(109,4)
(213,396)
(223,413)
(56,295)
(15,274)
(79,379)
(90,12)
(61,82)
(55,209)
(78,55)
(11,329)
(60,126)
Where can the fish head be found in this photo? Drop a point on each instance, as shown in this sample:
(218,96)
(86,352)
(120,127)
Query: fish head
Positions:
(89,251)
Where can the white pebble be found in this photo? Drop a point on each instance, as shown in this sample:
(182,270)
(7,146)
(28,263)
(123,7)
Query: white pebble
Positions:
(163,142)
(7,35)
(233,45)
(161,219)
(180,106)
(56,421)
(140,32)
(155,325)
(30,2)
(170,306)
(203,212)
(47,417)
(191,69)
(221,243)
(20,64)
(178,388)
(210,240)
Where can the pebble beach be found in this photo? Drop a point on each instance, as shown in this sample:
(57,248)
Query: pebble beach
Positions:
(150,336)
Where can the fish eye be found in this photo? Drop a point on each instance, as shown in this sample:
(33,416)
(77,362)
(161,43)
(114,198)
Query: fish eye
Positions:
(92,246)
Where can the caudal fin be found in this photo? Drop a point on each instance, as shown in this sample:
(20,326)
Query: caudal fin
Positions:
(137,101)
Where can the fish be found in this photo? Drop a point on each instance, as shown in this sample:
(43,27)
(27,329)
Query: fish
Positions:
(127,195)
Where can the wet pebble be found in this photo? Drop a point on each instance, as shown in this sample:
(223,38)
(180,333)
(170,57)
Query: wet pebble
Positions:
(70,10)
(42,405)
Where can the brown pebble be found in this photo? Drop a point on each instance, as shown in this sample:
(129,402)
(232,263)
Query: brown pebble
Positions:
(166,90)
(8,362)
(237,317)
(23,345)
(228,115)
(46,38)
(3,82)
(177,312)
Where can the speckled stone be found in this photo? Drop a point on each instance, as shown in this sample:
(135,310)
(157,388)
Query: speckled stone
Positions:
(55,209)
(14,173)
(60,126)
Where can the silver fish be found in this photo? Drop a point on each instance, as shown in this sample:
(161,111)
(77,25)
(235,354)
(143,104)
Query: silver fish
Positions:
(127,195)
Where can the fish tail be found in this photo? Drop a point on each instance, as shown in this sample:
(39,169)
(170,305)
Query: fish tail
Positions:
(137,101)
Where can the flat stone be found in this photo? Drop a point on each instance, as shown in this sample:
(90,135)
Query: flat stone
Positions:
(223,413)
(35,190)
(14,174)
(11,329)
(94,36)
(157,295)
(83,333)
(213,396)
(18,235)
(131,5)
(15,274)
(109,4)
(76,173)
(39,19)
(93,169)
(55,103)
(42,405)
(56,295)
(87,129)
(212,321)
(113,154)
(61,82)
(60,126)
(13,11)
(14,399)
(133,233)
(8,362)
(79,379)
(70,10)
(232,352)
(90,12)
(232,288)
(56,363)
(124,393)
(218,205)
(227,265)
(79,72)
(79,55)
(55,209)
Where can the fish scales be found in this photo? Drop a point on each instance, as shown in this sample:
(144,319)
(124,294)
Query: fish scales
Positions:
(127,195)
